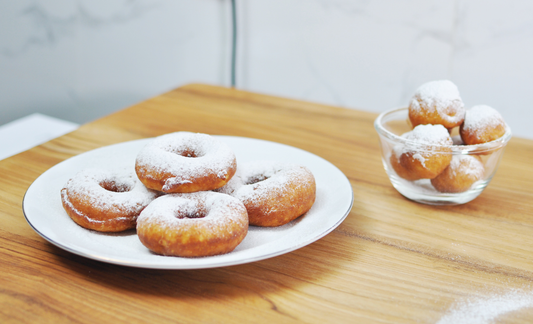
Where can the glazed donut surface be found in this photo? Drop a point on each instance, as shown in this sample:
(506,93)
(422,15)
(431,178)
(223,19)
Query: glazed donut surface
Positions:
(105,201)
(185,162)
(274,193)
(193,224)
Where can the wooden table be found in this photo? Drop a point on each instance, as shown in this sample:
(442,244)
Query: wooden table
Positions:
(391,260)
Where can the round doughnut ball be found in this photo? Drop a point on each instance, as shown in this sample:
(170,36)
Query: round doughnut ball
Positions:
(104,200)
(459,176)
(274,193)
(437,103)
(427,151)
(185,162)
(193,224)
(482,124)
(400,170)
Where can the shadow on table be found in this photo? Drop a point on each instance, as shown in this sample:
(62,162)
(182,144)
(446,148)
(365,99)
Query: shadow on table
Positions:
(309,265)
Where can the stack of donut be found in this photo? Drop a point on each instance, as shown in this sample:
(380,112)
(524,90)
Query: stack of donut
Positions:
(187,198)
(434,111)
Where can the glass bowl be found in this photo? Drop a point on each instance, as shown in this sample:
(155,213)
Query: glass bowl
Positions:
(391,124)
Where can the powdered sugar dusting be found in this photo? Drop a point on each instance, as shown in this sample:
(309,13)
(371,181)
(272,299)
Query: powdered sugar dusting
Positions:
(442,95)
(131,195)
(208,210)
(186,156)
(429,134)
(423,142)
(467,164)
(486,310)
(482,117)
(254,181)
(441,90)
(420,158)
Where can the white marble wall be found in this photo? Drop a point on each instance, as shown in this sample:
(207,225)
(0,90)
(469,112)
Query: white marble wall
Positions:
(81,59)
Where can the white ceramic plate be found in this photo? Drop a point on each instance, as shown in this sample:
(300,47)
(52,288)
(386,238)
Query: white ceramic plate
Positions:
(44,212)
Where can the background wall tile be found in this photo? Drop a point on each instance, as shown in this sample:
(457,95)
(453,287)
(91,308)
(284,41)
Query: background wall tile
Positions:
(81,59)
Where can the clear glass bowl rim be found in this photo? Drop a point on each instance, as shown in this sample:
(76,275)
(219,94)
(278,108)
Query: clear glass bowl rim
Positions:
(456,149)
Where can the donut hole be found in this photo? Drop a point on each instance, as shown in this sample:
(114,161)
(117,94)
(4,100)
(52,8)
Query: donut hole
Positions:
(115,186)
(196,213)
(189,153)
(255,179)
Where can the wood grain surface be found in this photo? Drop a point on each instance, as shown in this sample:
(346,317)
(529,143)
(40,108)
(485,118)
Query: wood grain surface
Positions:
(391,261)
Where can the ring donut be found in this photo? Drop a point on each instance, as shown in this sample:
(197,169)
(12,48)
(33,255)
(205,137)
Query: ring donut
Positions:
(193,224)
(274,193)
(105,201)
(185,162)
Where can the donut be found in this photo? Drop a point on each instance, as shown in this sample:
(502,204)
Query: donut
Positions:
(185,162)
(459,176)
(400,170)
(274,193)
(426,151)
(437,103)
(105,200)
(193,224)
(482,124)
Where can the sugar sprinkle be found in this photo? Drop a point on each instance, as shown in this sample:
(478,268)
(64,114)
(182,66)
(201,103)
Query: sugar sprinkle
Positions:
(486,309)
